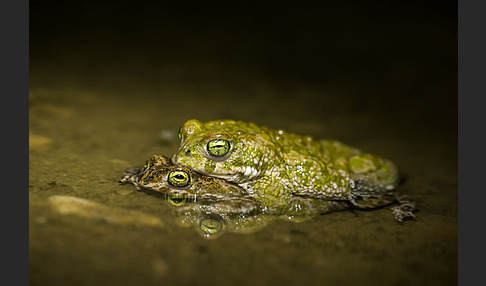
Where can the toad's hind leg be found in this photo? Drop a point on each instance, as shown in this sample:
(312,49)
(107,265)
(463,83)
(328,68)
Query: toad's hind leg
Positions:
(369,202)
(373,174)
(404,210)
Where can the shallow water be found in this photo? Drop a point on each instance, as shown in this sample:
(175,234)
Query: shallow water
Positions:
(90,120)
(91,138)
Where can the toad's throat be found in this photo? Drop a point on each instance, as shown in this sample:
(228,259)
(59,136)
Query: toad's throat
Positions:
(238,175)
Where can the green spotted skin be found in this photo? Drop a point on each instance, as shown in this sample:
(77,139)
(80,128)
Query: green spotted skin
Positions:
(274,165)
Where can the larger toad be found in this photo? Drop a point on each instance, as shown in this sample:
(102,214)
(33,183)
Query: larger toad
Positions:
(274,165)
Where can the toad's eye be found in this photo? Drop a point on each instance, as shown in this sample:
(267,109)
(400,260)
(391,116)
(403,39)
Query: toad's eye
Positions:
(179,179)
(218,147)
(176,199)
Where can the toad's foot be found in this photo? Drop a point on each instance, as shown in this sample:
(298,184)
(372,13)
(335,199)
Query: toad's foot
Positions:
(131,177)
(405,209)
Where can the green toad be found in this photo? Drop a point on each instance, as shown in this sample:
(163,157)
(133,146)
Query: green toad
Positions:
(274,165)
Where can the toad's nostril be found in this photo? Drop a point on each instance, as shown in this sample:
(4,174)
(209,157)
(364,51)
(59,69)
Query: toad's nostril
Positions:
(188,152)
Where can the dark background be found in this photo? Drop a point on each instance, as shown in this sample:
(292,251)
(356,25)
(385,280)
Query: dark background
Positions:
(395,58)
(381,75)
(370,46)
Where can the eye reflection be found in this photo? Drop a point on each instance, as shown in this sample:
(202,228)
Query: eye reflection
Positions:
(176,199)
(210,226)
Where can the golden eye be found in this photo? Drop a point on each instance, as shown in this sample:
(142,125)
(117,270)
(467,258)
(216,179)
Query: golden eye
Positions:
(176,199)
(179,179)
(218,147)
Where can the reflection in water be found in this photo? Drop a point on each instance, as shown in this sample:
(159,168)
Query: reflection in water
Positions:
(245,214)
(215,206)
